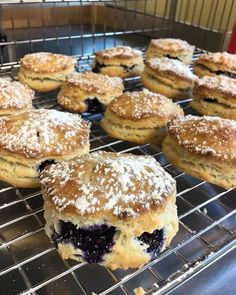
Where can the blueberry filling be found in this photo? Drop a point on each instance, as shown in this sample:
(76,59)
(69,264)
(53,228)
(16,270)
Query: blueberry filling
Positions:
(209,100)
(155,241)
(228,74)
(94,105)
(98,66)
(172,57)
(44,164)
(94,241)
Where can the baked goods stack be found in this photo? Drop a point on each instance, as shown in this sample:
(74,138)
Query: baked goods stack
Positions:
(118,210)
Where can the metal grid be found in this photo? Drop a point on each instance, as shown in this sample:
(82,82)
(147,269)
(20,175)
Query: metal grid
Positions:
(82,27)
(30,264)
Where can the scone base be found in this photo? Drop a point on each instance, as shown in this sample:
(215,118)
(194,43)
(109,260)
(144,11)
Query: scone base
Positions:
(213,109)
(158,87)
(140,135)
(217,172)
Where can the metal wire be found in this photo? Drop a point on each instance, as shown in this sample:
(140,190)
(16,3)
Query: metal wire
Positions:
(41,270)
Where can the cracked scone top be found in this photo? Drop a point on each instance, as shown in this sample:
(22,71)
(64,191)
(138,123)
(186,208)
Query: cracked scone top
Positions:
(36,134)
(120,185)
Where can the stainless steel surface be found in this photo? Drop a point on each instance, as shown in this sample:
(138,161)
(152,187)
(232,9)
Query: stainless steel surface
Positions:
(30,264)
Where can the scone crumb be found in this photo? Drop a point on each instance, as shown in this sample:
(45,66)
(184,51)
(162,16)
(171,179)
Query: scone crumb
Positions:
(139,291)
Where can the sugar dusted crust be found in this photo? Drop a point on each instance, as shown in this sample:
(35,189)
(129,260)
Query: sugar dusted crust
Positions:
(212,137)
(36,134)
(45,62)
(122,52)
(93,83)
(14,96)
(218,61)
(172,45)
(220,84)
(118,186)
(138,106)
(166,66)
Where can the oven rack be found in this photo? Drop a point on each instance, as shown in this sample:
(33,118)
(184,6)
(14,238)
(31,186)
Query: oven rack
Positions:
(30,264)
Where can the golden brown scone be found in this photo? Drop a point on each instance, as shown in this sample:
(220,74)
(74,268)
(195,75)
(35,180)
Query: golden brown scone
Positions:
(30,140)
(120,61)
(140,117)
(14,97)
(88,91)
(217,63)
(171,48)
(204,147)
(117,210)
(215,96)
(169,77)
(44,71)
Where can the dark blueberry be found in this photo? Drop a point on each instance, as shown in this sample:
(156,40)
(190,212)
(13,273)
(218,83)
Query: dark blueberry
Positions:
(126,68)
(97,67)
(44,164)
(94,106)
(172,57)
(228,74)
(210,100)
(155,241)
(93,241)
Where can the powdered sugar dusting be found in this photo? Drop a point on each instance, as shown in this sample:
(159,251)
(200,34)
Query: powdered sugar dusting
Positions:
(219,83)
(41,133)
(122,184)
(14,95)
(120,51)
(168,65)
(206,135)
(171,44)
(98,83)
(143,104)
(42,62)
(223,59)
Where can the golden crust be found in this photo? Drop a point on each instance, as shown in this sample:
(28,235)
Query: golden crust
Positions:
(168,67)
(44,82)
(122,186)
(88,85)
(139,116)
(46,62)
(37,134)
(220,88)
(211,137)
(165,86)
(143,105)
(216,61)
(198,165)
(21,172)
(173,47)
(138,135)
(213,109)
(119,52)
(14,97)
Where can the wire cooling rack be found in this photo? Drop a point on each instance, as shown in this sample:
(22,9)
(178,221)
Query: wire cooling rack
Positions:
(30,264)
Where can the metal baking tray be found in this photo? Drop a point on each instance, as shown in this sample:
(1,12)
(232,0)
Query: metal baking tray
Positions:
(30,264)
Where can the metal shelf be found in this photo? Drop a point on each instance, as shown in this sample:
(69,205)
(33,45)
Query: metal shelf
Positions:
(30,264)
